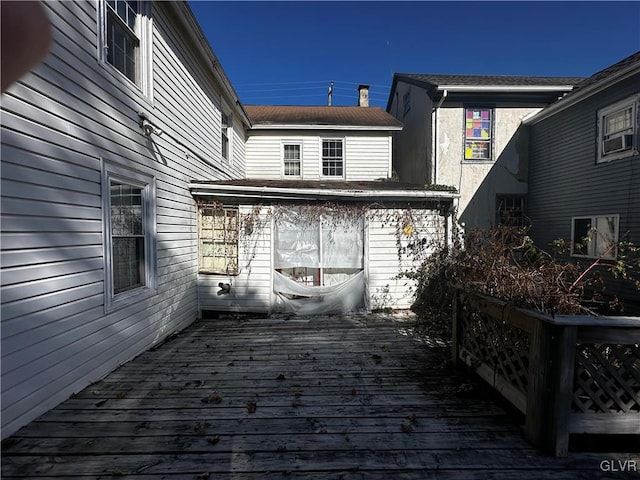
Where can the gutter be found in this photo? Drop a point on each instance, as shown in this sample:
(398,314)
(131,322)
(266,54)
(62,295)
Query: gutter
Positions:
(186,17)
(505,88)
(273,126)
(583,93)
(280,193)
(434,117)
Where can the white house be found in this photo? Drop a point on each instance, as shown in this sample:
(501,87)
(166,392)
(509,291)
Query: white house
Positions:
(100,143)
(136,187)
(327,229)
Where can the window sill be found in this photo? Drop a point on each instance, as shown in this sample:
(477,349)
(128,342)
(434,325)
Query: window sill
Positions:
(129,298)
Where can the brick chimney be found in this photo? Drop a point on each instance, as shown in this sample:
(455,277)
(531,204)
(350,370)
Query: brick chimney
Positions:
(363,95)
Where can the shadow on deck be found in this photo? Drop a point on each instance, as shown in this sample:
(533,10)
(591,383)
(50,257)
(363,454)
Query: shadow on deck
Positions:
(325,397)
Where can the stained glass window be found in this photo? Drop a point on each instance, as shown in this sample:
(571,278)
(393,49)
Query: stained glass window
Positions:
(478,128)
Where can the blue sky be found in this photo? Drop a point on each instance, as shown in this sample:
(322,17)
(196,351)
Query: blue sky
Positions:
(286,53)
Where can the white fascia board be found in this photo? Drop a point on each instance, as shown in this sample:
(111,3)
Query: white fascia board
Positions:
(194,30)
(306,193)
(505,88)
(323,127)
(582,94)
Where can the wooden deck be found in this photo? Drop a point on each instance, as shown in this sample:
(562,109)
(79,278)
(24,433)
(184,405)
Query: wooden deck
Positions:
(349,397)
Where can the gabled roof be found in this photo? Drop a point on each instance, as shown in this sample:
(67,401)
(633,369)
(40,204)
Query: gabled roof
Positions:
(444,81)
(280,116)
(597,82)
(514,88)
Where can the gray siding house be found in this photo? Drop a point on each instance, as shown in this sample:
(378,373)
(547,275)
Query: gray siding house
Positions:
(584,173)
(99,233)
(465,131)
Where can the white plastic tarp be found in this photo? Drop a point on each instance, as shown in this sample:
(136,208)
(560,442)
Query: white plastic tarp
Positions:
(331,243)
(302,299)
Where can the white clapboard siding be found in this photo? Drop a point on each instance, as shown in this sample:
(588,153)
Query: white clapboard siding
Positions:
(384,264)
(367,156)
(60,123)
(251,288)
(264,156)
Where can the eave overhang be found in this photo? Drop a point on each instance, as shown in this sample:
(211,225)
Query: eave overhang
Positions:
(583,93)
(248,193)
(274,126)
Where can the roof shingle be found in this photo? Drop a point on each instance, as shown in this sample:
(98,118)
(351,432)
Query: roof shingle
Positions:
(490,80)
(320,115)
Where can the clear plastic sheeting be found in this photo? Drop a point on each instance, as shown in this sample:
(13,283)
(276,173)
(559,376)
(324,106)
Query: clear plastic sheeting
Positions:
(300,299)
(325,243)
(328,244)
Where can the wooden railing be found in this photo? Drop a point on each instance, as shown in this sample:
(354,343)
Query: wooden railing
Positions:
(566,373)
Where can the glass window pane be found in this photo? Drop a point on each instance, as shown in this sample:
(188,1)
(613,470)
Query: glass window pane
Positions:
(581,236)
(605,237)
(218,242)
(477,131)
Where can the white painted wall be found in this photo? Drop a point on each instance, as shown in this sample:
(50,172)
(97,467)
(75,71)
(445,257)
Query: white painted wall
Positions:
(479,182)
(367,156)
(58,124)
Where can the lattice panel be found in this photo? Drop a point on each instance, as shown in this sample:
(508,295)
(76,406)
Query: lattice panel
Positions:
(499,345)
(607,379)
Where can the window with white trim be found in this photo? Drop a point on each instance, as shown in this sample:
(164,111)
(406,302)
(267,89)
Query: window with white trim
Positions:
(332,157)
(125,41)
(129,201)
(218,239)
(291,156)
(227,130)
(595,236)
(478,133)
(618,130)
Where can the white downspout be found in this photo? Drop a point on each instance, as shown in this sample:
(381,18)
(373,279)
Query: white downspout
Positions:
(434,117)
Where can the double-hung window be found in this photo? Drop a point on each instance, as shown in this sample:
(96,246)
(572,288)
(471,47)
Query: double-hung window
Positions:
(291,153)
(129,201)
(618,130)
(218,239)
(478,134)
(332,157)
(227,127)
(125,41)
(595,236)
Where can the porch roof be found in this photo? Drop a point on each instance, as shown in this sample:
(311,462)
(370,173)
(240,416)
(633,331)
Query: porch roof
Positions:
(362,191)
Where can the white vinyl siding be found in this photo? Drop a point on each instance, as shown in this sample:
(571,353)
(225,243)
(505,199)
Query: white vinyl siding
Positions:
(57,123)
(251,287)
(367,156)
(383,262)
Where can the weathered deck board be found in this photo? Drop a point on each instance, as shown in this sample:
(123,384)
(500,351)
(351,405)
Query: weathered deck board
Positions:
(335,397)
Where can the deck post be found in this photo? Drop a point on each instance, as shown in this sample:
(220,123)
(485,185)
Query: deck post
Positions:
(551,369)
